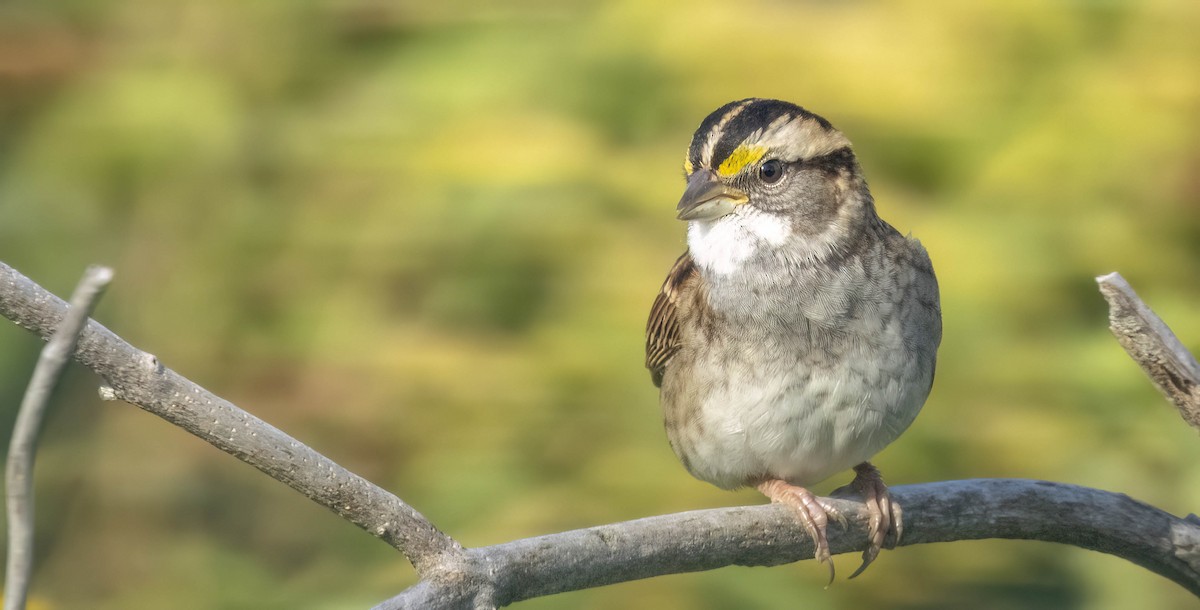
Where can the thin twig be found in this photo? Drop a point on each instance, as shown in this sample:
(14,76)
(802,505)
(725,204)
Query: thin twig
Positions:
(1153,346)
(137,377)
(22,449)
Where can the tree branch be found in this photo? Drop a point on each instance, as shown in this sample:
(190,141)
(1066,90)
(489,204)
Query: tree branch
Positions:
(138,378)
(22,449)
(767,535)
(452,577)
(1153,346)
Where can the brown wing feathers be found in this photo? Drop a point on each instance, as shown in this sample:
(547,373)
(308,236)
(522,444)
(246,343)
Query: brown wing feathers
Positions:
(662,329)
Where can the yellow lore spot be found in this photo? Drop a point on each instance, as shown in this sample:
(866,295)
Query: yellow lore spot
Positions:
(687,167)
(738,159)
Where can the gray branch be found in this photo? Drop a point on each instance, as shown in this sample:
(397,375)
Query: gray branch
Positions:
(1153,346)
(22,449)
(768,535)
(453,577)
(138,378)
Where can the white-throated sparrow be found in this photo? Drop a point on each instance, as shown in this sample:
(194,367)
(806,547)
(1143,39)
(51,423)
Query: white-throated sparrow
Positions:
(797,336)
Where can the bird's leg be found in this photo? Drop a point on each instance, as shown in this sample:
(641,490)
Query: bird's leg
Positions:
(885,515)
(812,513)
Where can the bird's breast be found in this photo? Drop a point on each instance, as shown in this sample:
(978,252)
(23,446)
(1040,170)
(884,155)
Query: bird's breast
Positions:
(794,376)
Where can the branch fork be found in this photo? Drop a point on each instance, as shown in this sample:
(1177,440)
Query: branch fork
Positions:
(486,577)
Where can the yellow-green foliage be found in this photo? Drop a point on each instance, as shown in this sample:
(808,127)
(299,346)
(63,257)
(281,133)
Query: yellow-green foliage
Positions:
(423,237)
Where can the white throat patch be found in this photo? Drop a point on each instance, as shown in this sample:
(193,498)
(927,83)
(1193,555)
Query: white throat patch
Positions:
(723,245)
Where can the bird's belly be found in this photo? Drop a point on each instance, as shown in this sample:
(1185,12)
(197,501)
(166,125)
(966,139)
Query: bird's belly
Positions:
(797,423)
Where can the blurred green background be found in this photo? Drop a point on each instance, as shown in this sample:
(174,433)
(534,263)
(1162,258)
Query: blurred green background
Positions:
(423,238)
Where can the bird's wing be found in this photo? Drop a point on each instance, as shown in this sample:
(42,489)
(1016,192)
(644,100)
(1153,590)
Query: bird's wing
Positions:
(662,329)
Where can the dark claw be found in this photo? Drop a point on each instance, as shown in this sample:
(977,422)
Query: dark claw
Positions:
(885,515)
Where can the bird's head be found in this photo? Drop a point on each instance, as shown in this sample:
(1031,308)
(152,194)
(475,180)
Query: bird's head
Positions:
(769,157)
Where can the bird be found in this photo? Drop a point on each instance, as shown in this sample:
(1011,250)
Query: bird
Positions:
(797,335)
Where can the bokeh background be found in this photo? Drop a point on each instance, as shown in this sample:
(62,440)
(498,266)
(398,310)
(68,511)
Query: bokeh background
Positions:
(423,238)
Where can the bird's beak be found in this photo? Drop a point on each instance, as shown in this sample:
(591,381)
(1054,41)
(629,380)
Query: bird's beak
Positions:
(706,197)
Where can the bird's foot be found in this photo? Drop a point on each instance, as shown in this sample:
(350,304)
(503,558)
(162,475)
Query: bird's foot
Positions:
(812,512)
(885,515)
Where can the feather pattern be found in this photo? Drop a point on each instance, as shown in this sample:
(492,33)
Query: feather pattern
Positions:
(662,329)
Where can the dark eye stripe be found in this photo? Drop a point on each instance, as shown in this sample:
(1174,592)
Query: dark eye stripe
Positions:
(832,163)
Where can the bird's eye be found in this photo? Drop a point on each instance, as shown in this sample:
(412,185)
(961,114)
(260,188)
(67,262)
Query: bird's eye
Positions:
(771,171)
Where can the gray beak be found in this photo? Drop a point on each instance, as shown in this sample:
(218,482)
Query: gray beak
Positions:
(706,197)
